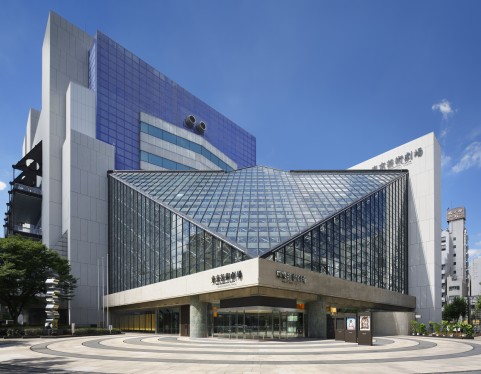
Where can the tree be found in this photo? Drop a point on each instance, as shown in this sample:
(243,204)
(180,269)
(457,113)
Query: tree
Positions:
(477,307)
(25,265)
(455,309)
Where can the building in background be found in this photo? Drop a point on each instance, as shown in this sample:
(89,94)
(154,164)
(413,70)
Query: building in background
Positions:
(475,277)
(454,256)
(104,108)
(121,166)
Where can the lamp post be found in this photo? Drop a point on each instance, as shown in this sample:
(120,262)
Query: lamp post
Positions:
(469,299)
(52,297)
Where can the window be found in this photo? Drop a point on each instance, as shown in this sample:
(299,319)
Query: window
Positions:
(453,288)
(454,246)
(184,143)
(454,239)
(454,255)
(454,263)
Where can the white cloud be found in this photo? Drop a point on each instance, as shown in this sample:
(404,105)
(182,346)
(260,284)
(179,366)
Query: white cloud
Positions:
(443,107)
(3,185)
(474,253)
(444,133)
(445,160)
(471,158)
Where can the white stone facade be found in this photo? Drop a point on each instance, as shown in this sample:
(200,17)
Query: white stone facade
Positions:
(75,164)
(475,274)
(422,157)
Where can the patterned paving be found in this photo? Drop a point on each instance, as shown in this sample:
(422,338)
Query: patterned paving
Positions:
(133,353)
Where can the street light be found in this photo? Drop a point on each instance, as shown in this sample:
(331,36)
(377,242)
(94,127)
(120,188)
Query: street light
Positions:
(469,298)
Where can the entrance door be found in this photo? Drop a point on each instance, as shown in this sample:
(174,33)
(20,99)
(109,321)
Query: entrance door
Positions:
(259,324)
(265,325)
(169,320)
(276,325)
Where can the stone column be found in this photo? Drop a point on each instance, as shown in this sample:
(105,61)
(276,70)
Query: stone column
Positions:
(198,318)
(316,317)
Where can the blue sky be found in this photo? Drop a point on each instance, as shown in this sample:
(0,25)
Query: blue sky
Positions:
(321,84)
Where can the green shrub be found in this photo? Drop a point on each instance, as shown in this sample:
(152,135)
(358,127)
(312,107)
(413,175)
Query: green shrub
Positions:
(414,326)
(431,327)
(437,327)
(35,331)
(444,327)
(466,329)
(86,331)
(421,329)
(14,332)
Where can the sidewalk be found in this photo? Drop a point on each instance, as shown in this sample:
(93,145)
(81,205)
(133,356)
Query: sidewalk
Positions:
(140,353)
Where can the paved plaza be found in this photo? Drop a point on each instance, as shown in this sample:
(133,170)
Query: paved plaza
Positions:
(139,353)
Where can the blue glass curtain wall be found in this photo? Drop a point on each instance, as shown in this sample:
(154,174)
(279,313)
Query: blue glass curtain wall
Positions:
(184,143)
(126,85)
(365,243)
(149,243)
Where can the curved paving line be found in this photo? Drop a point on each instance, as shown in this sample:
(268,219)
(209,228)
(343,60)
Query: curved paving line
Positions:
(96,344)
(252,342)
(475,350)
(247,346)
(218,344)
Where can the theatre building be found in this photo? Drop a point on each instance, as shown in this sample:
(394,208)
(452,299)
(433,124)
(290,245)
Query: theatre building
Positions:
(255,252)
(264,253)
(170,227)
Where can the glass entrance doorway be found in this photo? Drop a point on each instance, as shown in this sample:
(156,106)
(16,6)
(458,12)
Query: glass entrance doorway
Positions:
(258,324)
(168,321)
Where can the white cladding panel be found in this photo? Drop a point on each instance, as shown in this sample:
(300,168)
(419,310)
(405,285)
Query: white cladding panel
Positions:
(423,157)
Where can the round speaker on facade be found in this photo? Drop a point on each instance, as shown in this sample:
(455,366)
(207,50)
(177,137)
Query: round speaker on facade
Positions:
(201,127)
(189,121)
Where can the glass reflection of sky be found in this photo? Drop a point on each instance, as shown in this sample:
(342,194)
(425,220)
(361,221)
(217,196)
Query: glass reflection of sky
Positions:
(258,207)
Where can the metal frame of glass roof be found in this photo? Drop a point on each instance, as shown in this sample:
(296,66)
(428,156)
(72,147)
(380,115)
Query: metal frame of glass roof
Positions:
(257,209)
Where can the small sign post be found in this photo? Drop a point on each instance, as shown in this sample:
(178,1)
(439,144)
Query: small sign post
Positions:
(365,328)
(351,328)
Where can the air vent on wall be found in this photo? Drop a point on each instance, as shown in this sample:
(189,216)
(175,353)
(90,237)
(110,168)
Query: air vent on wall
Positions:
(201,127)
(189,121)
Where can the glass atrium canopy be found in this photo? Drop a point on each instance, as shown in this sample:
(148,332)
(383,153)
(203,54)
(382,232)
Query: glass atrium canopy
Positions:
(257,209)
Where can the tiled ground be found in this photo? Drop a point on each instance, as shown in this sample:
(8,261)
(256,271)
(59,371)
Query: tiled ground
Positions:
(136,353)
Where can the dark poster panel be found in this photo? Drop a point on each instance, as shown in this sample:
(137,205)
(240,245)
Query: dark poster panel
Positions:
(365,328)
(351,328)
(331,328)
(339,326)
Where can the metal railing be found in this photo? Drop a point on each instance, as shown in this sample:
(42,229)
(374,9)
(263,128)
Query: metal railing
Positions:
(28,230)
(22,187)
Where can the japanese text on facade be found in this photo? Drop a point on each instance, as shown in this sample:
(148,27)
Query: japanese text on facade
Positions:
(225,278)
(287,277)
(400,160)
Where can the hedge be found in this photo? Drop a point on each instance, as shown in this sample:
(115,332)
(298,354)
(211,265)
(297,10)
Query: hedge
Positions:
(21,331)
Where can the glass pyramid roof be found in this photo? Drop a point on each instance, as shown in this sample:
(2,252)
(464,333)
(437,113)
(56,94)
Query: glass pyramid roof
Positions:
(257,208)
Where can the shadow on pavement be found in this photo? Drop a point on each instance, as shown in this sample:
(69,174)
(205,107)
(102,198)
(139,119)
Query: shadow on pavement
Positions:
(13,343)
(34,365)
